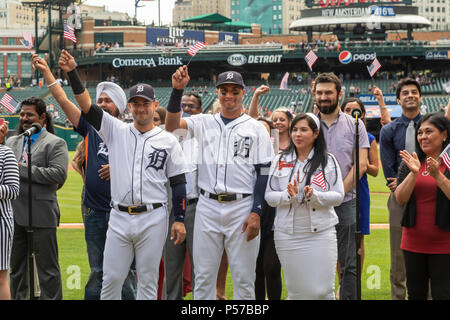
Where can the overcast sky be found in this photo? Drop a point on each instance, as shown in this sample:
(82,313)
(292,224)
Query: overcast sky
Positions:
(146,14)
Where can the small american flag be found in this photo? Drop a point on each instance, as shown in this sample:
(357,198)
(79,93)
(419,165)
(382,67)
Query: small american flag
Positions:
(27,40)
(311,58)
(318,180)
(9,103)
(445,156)
(69,33)
(373,68)
(192,51)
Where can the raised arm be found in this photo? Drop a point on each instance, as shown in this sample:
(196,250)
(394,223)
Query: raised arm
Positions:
(68,64)
(70,109)
(253,111)
(384,113)
(180,79)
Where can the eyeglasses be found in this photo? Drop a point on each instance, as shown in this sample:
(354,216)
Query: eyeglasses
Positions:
(136,104)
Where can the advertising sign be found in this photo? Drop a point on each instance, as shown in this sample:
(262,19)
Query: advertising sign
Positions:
(170,36)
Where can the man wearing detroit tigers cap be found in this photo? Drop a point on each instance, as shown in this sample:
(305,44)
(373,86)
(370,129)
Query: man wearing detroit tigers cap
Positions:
(234,148)
(143,158)
(97,197)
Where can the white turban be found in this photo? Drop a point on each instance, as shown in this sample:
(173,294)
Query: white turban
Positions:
(115,92)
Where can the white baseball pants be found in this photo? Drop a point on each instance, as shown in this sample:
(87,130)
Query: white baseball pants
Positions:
(308,261)
(141,236)
(218,226)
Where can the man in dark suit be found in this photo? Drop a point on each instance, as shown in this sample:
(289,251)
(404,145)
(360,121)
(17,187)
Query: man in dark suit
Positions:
(49,165)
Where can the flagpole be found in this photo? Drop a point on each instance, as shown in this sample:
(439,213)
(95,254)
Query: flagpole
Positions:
(189,61)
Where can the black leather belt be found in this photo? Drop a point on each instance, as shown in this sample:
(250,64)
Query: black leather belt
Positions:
(224,197)
(191,201)
(132,210)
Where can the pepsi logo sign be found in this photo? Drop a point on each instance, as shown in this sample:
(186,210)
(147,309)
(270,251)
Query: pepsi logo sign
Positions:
(345,57)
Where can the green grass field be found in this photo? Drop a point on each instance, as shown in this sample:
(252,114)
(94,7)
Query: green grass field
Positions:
(75,268)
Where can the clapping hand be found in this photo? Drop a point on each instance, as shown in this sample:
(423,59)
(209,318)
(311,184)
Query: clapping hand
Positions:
(292,188)
(433,167)
(412,161)
(308,191)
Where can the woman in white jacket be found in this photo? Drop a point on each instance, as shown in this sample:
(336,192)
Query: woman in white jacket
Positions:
(305,185)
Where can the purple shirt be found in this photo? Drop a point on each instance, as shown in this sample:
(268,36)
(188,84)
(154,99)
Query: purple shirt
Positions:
(340,142)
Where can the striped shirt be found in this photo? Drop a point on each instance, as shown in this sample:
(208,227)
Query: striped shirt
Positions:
(9,181)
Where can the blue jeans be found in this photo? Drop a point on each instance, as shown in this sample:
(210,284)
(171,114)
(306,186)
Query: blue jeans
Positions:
(345,231)
(95,227)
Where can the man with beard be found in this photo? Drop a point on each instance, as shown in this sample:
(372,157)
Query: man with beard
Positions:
(49,164)
(112,99)
(339,132)
(396,136)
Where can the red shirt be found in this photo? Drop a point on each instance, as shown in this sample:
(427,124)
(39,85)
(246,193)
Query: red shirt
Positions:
(425,236)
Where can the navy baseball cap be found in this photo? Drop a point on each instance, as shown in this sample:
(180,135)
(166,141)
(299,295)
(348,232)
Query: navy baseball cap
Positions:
(232,77)
(142,90)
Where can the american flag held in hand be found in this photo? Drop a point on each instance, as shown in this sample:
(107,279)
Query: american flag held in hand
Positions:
(9,103)
(192,51)
(311,58)
(445,156)
(373,68)
(69,33)
(318,180)
(27,40)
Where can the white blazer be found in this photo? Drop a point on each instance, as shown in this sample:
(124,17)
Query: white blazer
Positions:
(320,206)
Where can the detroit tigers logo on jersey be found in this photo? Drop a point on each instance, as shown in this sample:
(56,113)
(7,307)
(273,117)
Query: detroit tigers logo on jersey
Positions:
(242,147)
(157,159)
(102,149)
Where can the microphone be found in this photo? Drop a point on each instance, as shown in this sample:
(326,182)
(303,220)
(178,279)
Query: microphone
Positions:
(35,128)
(356,112)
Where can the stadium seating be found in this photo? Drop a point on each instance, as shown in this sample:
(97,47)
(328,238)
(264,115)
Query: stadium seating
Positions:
(433,95)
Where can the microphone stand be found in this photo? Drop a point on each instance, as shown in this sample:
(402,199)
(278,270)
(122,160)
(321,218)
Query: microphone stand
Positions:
(358,228)
(34,288)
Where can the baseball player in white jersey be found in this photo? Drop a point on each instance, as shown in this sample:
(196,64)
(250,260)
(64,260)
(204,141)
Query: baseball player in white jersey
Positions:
(143,158)
(234,150)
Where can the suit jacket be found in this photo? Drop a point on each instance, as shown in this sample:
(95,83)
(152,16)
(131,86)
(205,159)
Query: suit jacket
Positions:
(49,164)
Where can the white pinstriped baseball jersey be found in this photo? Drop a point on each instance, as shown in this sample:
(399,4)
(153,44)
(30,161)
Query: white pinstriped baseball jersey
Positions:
(140,163)
(227,154)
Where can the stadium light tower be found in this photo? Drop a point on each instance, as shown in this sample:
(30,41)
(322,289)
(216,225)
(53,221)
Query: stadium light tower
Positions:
(136,5)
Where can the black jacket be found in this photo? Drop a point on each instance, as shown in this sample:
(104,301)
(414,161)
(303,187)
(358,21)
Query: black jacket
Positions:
(442,204)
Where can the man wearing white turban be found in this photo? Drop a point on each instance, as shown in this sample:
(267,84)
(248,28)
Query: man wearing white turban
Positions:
(111,98)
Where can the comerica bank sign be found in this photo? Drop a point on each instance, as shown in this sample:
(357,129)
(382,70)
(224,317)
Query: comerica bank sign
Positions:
(147,62)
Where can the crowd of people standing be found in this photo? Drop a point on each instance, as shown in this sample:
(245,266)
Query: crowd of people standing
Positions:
(233,189)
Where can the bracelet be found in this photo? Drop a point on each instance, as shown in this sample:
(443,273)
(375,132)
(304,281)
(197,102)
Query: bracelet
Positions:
(52,84)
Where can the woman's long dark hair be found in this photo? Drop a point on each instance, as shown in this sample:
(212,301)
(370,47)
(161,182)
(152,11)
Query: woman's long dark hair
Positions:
(439,121)
(320,157)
